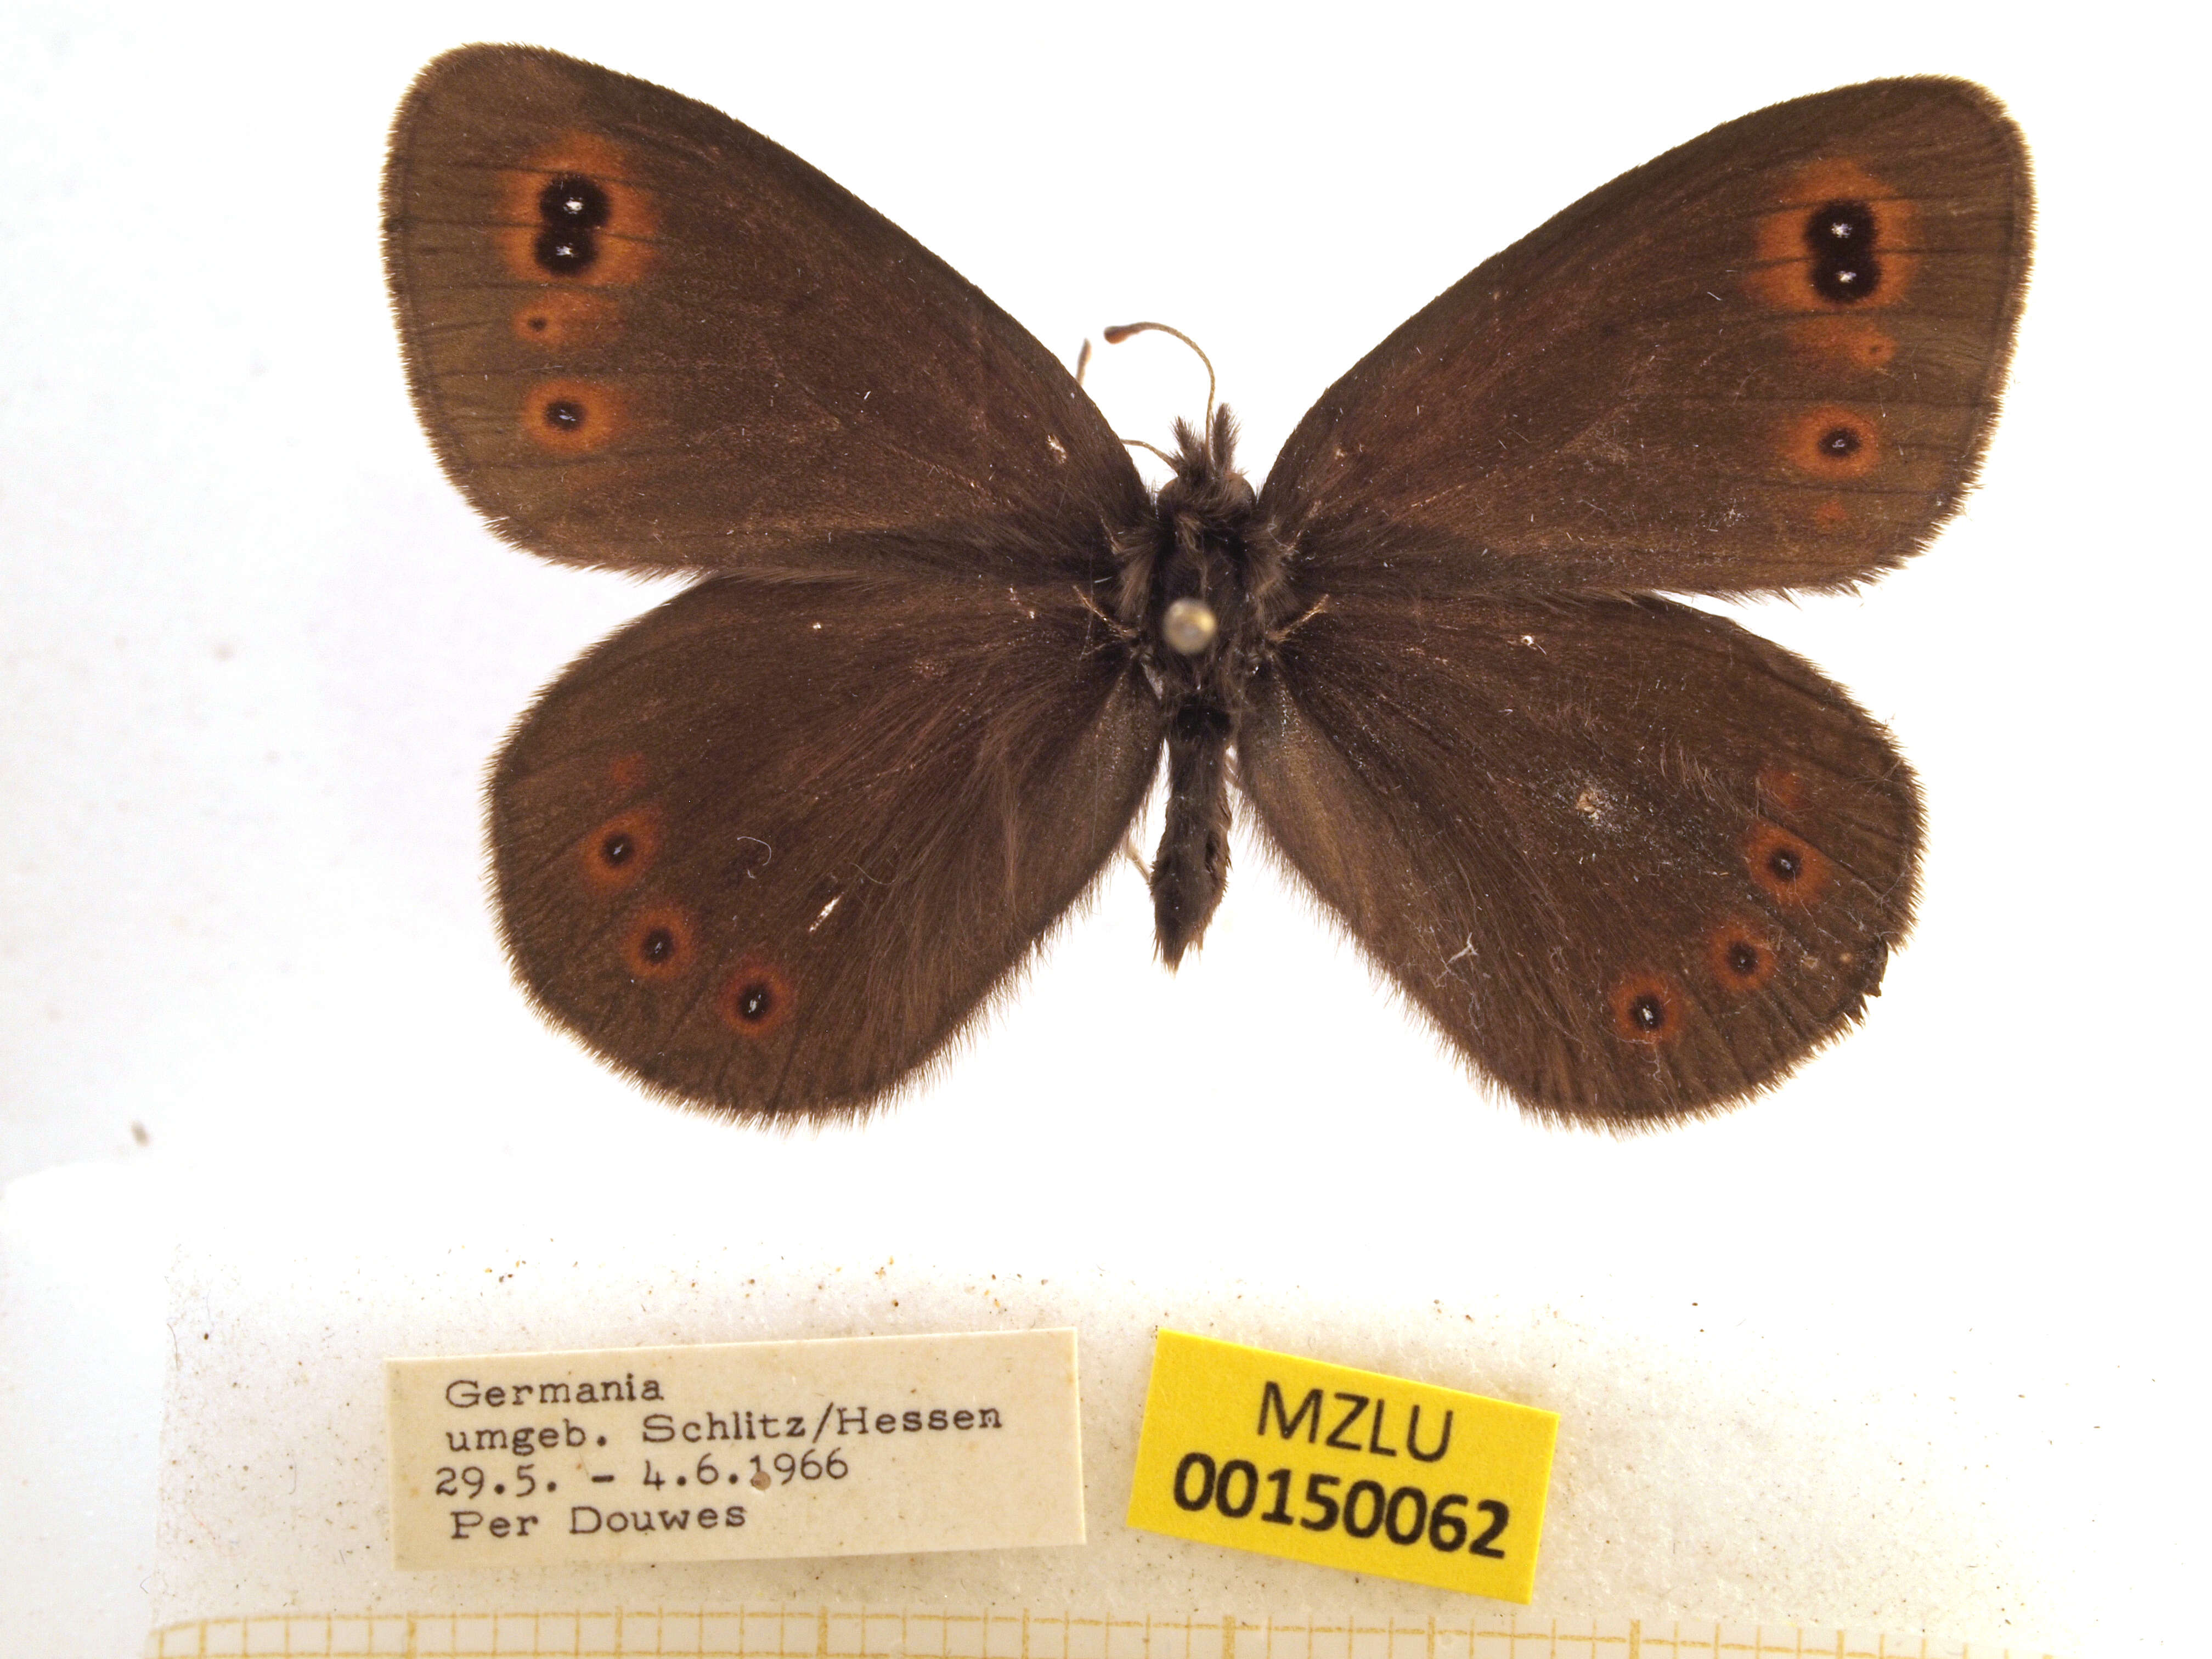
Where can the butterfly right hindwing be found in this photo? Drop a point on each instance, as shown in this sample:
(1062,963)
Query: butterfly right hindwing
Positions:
(1633,860)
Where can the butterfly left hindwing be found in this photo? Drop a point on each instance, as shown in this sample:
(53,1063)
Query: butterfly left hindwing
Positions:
(769,847)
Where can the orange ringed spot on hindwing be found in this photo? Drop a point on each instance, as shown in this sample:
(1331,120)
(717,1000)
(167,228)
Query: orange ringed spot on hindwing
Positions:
(620,851)
(1787,868)
(572,214)
(1835,239)
(658,945)
(627,772)
(1646,1008)
(1832,442)
(571,418)
(1740,957)
(755,999)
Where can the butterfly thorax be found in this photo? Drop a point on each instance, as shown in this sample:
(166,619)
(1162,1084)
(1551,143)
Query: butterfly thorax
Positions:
(1202,594)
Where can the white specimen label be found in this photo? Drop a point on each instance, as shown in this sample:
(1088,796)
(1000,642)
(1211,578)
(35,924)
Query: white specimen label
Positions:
(856,1446)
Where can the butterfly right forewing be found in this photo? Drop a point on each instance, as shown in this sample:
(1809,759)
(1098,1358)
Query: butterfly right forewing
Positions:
(1769,359)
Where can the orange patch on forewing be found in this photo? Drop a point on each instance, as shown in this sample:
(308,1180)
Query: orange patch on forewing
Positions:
(1856,341)
(1740,957)
(1647,1008)
(1780,274)
(619,852)
(659,945)
(571,418)
(1787,868)
(1831,514)
(559,319)
(755,999)
(624,245)
(1831,441)
(627,771)
(1781,787)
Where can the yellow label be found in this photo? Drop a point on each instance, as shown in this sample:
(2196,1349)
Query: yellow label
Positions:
(1342,1467)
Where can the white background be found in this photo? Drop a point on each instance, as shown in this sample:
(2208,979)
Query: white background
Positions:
(254,652)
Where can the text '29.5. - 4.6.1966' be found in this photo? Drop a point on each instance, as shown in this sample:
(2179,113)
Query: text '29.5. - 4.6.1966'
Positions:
(858,1446)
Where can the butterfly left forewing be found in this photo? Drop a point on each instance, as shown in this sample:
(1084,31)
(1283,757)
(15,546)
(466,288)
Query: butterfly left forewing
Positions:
(1632,860)
(640,335)
(1769,359)
(769,847)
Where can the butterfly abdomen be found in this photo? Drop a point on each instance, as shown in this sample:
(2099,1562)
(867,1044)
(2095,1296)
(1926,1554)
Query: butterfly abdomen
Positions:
(1201,589)
(1191,869)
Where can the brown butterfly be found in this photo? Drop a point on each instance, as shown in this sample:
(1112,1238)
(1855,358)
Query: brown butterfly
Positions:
(771,847)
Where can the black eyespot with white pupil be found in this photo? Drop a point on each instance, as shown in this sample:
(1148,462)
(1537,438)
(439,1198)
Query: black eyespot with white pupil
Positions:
(1647,1013)
(570,208)
(1840,442)
(1840,236)
(567,252)
(618,848)
(658,945)
(564,414)
(1785,865)
(1744,958)
(574,201)
(754,1001)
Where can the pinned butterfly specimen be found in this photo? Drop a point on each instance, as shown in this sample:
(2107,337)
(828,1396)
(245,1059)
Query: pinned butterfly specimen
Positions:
(770,848)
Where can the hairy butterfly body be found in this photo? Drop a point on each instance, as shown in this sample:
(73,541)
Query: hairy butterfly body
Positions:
(769,847)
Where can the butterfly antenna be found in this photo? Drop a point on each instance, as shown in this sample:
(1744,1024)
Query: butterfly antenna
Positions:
(1138,443)
(1121,331)
(1083,359)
